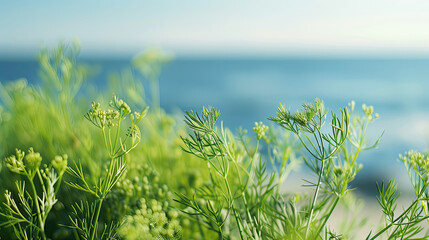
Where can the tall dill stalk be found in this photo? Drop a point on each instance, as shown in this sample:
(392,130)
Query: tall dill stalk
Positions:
(86,216)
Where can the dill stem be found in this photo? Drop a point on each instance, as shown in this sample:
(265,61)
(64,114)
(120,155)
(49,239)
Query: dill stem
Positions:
(57,188)
(220,233)
(36,201)
(117,136)
(41,181)
(105,142)
(233,208)
(328,216)
(110,141)
(425,208)
(314,198)
(243,196)
(97,214)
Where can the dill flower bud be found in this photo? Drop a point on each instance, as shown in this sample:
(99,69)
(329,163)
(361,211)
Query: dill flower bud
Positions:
(60,164)
(419,161)
(32,162)
(173,214)
(44,171)
(8,196)
(15,163)
(368,110)
(260,130)
(120,105)
(96,110)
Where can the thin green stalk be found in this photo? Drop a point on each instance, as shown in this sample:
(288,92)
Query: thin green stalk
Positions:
(314,199)
(243,196)
(41,180)
(328,216)
(220,233)
(105,141)
(36,201)
(117,135)
(57,188)
(97,214)
(425,208)
(256,149)
(233,208)
(110,143)
(321,142)
(305,146)
(238,224)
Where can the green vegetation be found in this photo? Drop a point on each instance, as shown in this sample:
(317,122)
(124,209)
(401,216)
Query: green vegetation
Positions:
(120,174)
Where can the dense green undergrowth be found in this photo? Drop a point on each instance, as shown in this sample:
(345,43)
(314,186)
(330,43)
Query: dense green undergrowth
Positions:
(123,168)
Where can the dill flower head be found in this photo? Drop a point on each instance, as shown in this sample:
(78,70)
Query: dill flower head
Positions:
(306,117)
(32,162)
(110,116)
(96,111)
(60,164)
(102,118)
(120,105)
(15,163)
(260,129)
(369,112)
(417,160)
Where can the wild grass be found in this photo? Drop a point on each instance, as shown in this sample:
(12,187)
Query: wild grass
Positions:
(113,171)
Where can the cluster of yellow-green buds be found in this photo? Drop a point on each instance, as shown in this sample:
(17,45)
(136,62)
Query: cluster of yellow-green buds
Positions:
(102,118)
(120,106)
(15,163)
(369,112)
(108,118)
(418,161)
(305,119)
(24,164)
(260,129)
(150,221)
(60,164)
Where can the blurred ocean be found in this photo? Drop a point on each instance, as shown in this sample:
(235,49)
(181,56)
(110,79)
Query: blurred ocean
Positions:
(250,90)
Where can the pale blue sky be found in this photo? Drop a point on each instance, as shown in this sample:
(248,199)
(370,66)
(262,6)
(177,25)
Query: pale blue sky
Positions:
(288,27)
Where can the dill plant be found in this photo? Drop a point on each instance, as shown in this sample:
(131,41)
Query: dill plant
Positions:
(406,224)
(27,212)
(244,200)
(109,122)
(233,186)
(30,113)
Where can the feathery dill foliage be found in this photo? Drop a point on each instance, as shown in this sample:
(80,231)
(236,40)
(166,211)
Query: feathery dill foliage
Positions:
(85,215)
(245,200)
(407,224)
(230,186)
(49,118)
(28,213)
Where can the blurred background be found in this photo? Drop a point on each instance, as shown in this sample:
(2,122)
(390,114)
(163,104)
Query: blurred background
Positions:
(245,57)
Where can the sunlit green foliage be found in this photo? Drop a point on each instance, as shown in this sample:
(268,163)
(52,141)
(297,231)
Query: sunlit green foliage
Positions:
(27,215)
(50,118)
(242,193)
(122,167)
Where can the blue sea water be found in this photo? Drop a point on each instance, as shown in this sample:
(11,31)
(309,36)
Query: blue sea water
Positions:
(249,90)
